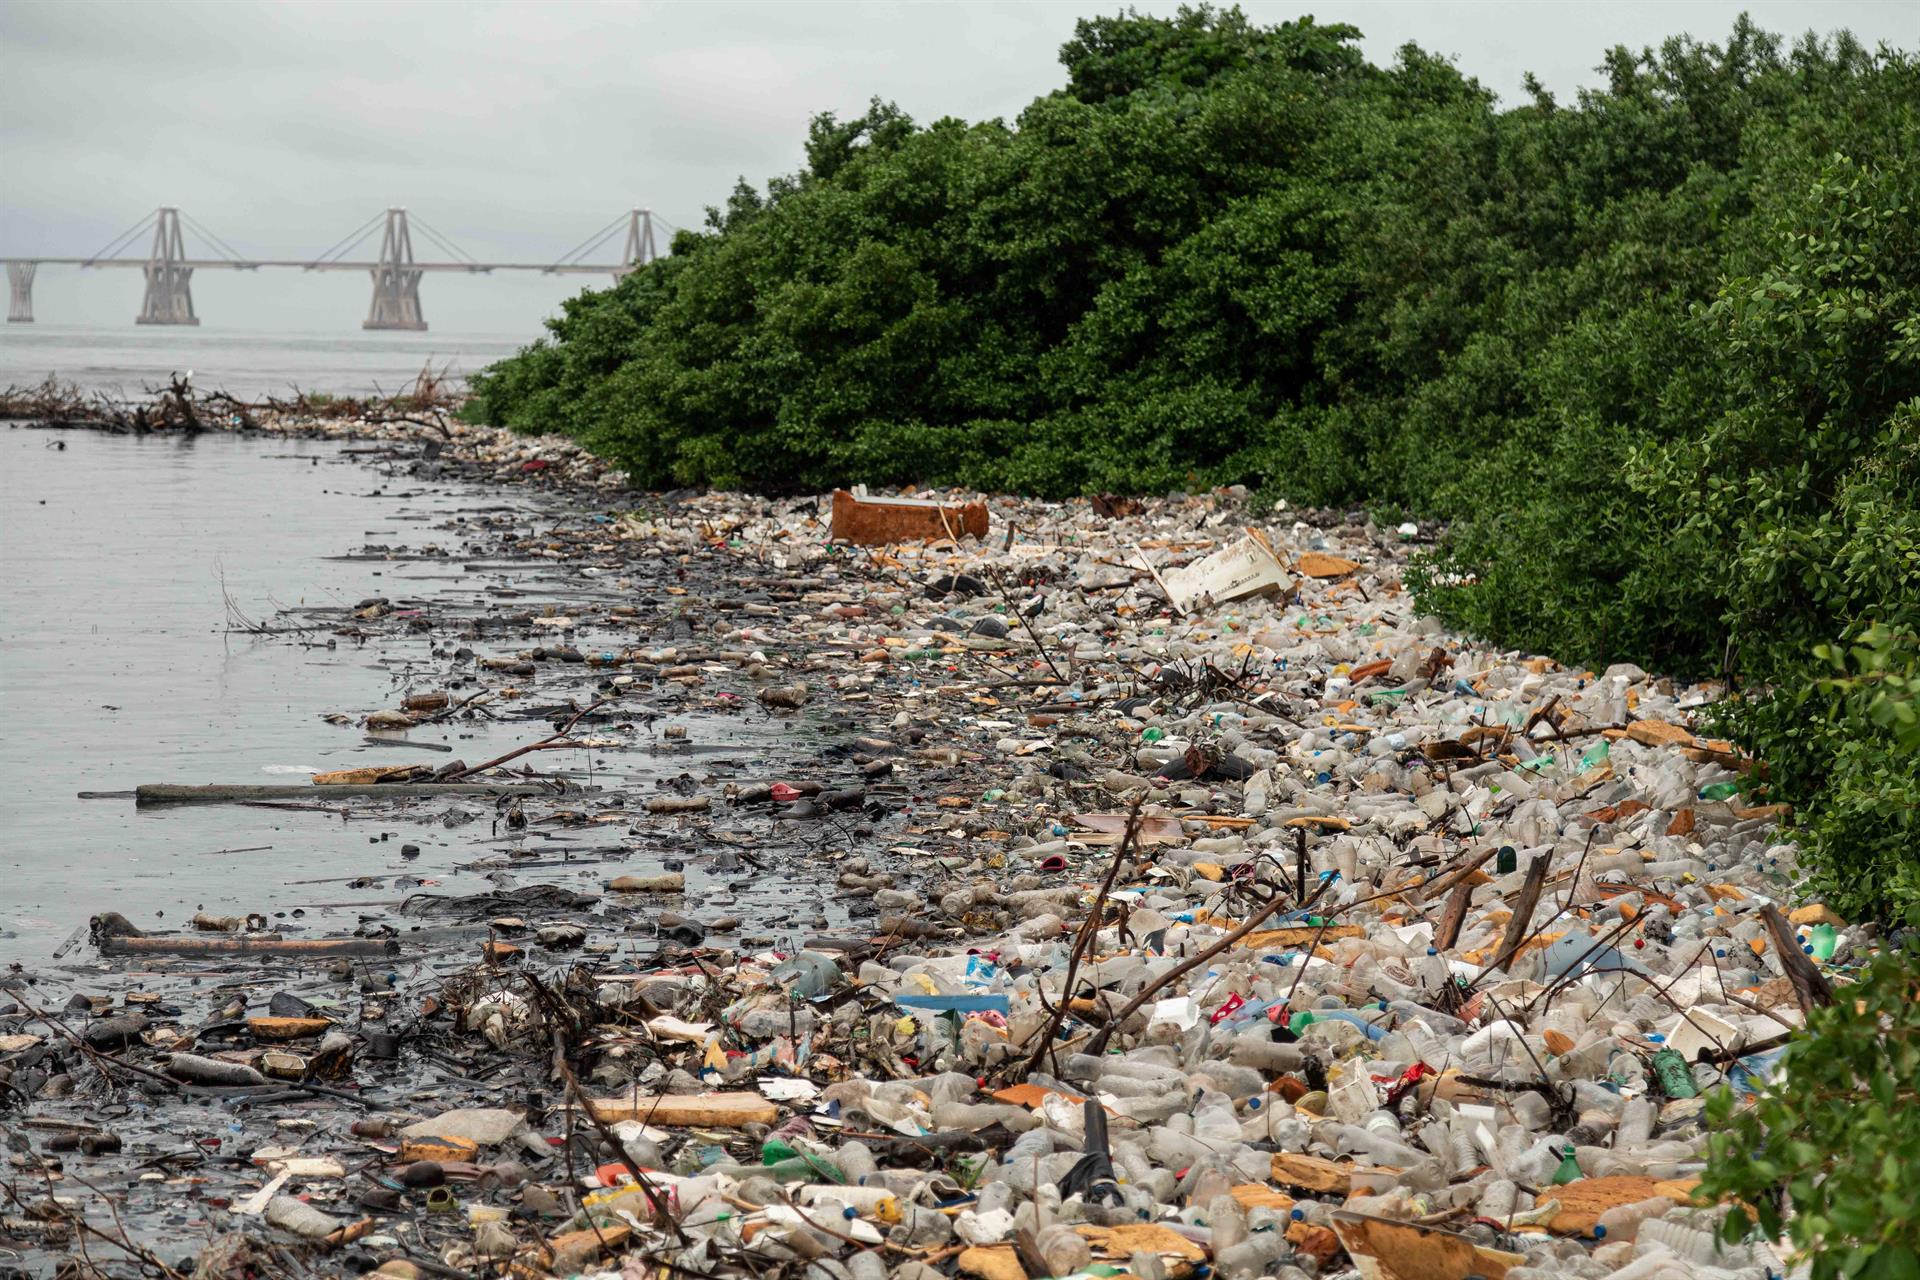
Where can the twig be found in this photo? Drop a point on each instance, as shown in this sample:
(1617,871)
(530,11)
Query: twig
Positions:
(1083,942)
(556,741)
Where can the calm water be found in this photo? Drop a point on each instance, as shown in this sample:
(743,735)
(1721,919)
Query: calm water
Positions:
(115,669)
(124,360)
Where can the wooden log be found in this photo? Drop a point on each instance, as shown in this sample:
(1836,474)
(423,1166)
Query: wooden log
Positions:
(718,1110)
(232,793)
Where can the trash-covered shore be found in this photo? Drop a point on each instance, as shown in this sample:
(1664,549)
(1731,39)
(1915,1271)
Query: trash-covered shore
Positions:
(1194,908)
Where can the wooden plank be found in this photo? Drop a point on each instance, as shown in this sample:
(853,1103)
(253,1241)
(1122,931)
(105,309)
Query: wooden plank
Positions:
(682,1110)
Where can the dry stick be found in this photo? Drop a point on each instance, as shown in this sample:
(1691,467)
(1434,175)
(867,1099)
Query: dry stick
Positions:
(655,1198)
(557,740)
(1084,941)
(1099,1043)
(1028,627)
(1573,885)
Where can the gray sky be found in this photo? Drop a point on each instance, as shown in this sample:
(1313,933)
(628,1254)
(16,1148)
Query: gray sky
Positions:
(517,129)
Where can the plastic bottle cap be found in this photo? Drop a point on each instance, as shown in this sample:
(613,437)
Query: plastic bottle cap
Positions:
(1599,1232)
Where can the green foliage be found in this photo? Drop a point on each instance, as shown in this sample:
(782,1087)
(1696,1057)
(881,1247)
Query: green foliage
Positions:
(1837,1130)
(1844,745)
(1653,354)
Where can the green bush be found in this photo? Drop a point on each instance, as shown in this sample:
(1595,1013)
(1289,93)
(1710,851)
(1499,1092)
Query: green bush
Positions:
(1837,1130)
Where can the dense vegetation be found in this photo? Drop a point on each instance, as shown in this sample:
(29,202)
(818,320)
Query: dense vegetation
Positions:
(1653,354)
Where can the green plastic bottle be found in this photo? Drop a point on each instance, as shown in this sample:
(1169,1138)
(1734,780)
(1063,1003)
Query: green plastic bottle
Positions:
(1720,791)
(1671,1070)
(1569,1170)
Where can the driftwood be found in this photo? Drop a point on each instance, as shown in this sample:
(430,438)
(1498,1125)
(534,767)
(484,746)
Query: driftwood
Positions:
(1522,922)
(116,936)
(234,793)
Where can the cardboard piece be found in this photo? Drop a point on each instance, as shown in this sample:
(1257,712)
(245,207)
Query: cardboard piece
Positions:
(1236,571)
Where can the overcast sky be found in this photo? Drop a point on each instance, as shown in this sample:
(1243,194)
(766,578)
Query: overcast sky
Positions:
(517,129)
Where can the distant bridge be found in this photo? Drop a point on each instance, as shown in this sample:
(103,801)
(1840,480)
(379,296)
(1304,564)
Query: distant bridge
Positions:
(396,274)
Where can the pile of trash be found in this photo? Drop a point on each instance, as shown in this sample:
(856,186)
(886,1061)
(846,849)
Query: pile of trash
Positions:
(1209,913)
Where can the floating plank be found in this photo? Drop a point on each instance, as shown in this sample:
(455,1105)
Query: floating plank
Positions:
(122,945)
(234,793)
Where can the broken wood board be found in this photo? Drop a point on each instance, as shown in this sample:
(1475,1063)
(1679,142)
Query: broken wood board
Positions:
(1318,564)
(1584,1200)
(1120,1243)
(991,1262)
(686,1110)
(1384,1249)
(1154,828)
(1312,1173)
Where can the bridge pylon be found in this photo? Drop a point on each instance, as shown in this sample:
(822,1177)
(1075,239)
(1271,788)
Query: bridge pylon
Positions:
(639,251)
(169,298)
(396,282)
(20,292)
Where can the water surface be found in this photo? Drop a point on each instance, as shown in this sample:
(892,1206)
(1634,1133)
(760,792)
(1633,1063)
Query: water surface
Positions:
(117,557)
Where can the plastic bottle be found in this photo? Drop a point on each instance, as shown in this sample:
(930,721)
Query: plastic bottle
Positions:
(1622,1222)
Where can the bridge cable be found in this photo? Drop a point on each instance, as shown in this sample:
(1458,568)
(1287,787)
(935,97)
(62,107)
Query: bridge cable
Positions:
(592,242)
(443,242)
(351,239)
(116,244)
(213,241)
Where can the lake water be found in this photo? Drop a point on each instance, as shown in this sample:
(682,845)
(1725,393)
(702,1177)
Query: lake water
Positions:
(117,556)
(250,364)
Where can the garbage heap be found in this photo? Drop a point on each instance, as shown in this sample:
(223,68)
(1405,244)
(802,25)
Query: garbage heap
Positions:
(1245,923)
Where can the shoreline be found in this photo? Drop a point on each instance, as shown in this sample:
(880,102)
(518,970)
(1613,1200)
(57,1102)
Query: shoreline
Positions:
(962,764)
